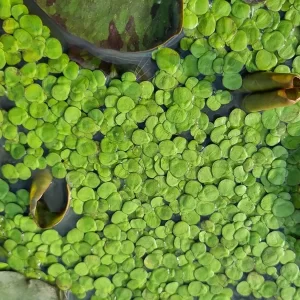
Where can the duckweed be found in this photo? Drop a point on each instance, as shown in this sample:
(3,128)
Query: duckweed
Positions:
(172,201)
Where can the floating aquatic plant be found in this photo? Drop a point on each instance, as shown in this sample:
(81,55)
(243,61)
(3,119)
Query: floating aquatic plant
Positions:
(120,25)
(173,201)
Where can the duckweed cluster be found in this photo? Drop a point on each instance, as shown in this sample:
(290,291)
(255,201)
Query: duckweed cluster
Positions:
(173,204)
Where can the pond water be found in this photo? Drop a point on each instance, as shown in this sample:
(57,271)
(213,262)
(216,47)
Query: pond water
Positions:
(228,180)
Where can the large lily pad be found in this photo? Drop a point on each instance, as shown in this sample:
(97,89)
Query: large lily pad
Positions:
(124,25)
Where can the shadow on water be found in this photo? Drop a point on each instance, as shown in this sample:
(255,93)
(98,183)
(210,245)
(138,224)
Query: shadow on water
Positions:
(6,104)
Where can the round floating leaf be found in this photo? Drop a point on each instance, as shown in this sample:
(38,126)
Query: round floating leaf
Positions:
(32,24)
(17,116)
(53,48)
(34,93)
(167,60)
(47,132)
(232,81)
(86,147)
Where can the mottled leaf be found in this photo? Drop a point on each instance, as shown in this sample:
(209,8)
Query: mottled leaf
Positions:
(124,25)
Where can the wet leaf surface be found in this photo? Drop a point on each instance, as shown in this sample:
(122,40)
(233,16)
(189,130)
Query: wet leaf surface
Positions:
(124,25)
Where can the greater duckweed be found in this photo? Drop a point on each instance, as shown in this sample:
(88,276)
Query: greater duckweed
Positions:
(174,204)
